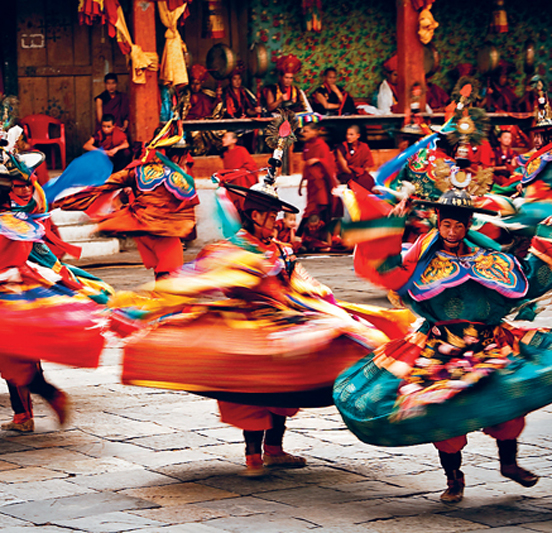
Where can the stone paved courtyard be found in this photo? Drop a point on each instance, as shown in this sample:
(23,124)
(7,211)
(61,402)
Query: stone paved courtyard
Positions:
(137,459)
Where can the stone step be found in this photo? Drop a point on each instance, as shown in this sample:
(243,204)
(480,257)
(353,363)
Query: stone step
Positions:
(69,218)
(99,248)
(78,234)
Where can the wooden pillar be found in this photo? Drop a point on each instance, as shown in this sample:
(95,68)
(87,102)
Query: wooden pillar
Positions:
(410,52)
(144,98)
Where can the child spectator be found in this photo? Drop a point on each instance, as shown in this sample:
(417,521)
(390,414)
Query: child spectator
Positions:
(285,231)
(113,140)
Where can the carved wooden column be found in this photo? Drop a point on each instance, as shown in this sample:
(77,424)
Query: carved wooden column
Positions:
(410,52)
(144,98)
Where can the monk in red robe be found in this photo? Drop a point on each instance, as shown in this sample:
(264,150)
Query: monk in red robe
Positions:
(201,105)
(436,97)
(236,157)
(113,140)
(284,94)
(501,97)
(319,173)
(238,101)
(112,102)
(505,158)
(354,159)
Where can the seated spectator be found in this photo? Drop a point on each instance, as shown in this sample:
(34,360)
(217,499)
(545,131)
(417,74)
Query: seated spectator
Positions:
(197,103)
(387,94)
(354,160)
(285,95)
(113,140)
(528,101)
(112,102)
(201,104)
(315,236)
(505,158)
(285,231)
(436,97)
(330,98)
(500,97)
(238,101)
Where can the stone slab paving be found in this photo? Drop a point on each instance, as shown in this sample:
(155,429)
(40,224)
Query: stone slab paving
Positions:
(146,460)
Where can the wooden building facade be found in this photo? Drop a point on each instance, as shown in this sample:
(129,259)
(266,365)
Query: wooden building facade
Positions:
(60,65)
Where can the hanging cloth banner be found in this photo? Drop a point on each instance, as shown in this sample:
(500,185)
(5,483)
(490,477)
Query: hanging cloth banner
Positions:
(110,12)
(213,19)
(173,64)
(312,15)
(499,22)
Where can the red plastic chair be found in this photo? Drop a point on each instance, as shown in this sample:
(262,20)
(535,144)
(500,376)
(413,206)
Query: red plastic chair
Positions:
(40,130)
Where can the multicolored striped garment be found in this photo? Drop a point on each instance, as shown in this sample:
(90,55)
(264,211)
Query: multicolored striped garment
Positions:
(277,330)
(421,388)
(46,312)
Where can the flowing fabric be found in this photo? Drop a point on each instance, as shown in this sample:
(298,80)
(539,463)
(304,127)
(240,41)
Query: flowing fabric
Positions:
(459,371)
(277,332)
(88,170)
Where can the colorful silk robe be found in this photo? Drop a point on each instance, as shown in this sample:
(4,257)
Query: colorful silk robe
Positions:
(463,300)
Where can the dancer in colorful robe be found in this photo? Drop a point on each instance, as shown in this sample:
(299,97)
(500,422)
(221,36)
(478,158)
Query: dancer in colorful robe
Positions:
(463,292)
(46,312)
(160,212)
(275,320)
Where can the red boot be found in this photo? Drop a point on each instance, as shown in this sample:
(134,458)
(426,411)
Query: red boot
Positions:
(254,466)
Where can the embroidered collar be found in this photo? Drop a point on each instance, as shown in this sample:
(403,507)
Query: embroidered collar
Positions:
(494,270)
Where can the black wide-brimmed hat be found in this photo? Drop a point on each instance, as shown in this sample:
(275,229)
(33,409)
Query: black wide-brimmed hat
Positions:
(262,197)
(456,199)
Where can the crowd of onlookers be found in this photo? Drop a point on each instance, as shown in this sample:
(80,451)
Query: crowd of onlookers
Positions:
(328,160)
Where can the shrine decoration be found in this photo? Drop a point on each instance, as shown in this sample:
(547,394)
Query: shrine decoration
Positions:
(213,20)
(426,25)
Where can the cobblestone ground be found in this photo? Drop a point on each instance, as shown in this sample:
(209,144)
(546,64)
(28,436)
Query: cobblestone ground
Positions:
(136,459)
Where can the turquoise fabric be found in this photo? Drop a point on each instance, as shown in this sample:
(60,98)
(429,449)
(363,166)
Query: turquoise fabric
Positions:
(365,394)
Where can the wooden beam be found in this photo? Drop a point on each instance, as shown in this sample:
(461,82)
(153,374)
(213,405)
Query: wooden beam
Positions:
(410,52)
(144,98)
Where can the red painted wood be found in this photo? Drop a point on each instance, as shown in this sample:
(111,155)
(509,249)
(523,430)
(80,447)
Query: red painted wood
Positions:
(144,99)
(410,53)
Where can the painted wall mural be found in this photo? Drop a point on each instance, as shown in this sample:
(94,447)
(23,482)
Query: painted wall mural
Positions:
(359,35)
